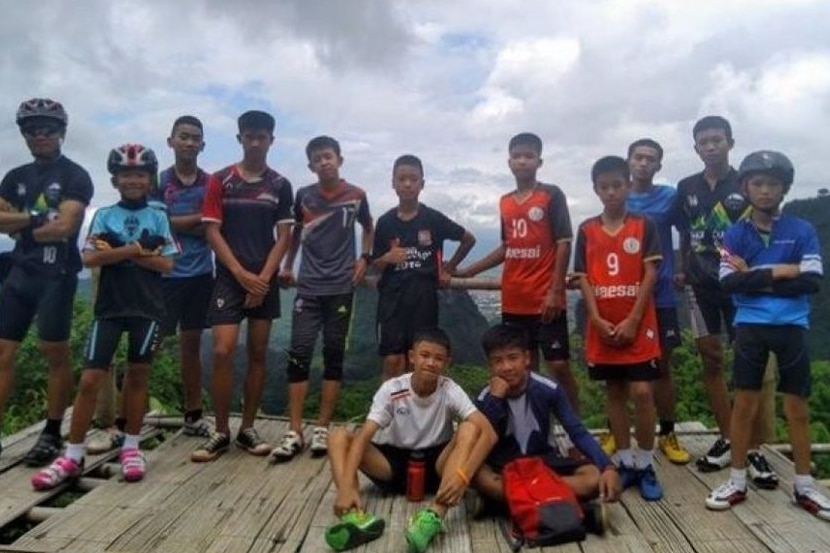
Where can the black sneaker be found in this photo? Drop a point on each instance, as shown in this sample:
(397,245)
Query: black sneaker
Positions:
(759,471)
(211,449)
(47,448)
(719,456)
(250,441)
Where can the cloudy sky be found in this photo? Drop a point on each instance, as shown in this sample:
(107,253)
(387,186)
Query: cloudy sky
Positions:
(450,81)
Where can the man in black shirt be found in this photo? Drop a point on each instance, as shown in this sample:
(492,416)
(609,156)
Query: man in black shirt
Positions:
(42,207)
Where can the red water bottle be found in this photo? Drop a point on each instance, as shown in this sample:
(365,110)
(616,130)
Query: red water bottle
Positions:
(415,475)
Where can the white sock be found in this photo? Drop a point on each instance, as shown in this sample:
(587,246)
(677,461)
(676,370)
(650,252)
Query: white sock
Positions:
(803,482)
(130,441)
(75,452)
(738,477)
(626,457)
(645,457)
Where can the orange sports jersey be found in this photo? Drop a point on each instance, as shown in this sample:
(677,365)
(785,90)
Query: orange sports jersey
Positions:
(615,266)
(530,232)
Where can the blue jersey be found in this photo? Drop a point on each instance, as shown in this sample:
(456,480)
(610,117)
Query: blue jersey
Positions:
(791,241)
(180,199)
(127,289)
(523,423)
(660,205)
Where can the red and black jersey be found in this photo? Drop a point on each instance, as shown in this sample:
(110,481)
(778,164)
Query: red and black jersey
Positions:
(248,212)
(530,231)
(614,263)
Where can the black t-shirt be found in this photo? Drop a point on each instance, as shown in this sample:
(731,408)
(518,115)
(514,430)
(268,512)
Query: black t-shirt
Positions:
(41,187)
(423,237)
(707,213)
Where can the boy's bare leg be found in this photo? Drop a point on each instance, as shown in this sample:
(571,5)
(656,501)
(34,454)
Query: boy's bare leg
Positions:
(743,411)
(84,406)
(224,346)
(135,396)
(258,332)
(393,365)
(642,394)
(714,380)
(328,401)
(617,394)
(798,421)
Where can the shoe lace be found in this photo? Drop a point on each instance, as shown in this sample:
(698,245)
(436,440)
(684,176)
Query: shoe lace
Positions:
(719,448)
(760,463)
(216,440)
(251,436)
(289,440)
(727,489)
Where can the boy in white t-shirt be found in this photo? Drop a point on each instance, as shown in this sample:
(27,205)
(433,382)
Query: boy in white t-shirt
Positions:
(416,412)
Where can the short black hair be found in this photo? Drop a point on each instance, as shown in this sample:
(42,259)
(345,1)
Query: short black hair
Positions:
(504,336)
(526,139)
(321,143)
(649,143)
(712,122)
(433,336)
(610,164)
(410,161)
(255,120)
(187,120)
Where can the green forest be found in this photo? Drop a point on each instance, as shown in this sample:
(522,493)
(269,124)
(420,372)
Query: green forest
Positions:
(464,323)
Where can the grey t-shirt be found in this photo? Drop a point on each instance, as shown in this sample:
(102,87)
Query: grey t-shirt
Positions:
(328,237)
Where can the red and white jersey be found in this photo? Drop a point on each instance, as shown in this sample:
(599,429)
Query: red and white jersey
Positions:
(530,231)
(614,263)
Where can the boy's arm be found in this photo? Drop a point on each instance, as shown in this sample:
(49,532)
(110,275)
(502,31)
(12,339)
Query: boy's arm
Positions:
(367,236)
(348,495)
(468,240)
(604,328)
(554,303)
(158,263)
(98,258)
(275,256)
(492,259)
(286,275)
(251,282)
(188,224)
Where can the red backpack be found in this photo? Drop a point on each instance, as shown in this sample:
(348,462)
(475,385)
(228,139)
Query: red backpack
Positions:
(543,509)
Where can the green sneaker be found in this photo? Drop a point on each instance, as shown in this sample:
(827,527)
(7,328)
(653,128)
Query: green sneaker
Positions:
(423,527)
(353,529)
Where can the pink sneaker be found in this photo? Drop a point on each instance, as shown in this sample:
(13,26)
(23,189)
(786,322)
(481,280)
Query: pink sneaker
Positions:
(62,469)
(133,464)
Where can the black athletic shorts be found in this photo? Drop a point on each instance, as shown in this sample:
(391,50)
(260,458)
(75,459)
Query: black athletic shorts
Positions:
(310,315)
(186,303)
(398,459)
(754,343)
(142,336)
(634,372)
(711,312)
(668,328)
(551,337)
(48,299)
(402,311)
(228,300)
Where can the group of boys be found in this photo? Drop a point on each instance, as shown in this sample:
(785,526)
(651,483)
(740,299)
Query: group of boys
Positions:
(737,250)
(735,241)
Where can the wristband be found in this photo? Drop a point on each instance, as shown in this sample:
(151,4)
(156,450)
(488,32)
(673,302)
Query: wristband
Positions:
(367,257)
(464,477)
(611,467)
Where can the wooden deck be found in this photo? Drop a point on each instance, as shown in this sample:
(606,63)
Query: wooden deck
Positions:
(242,504)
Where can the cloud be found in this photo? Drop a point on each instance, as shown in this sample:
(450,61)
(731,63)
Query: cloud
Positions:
(450,82)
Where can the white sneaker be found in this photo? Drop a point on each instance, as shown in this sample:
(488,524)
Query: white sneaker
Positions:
(319,441)
(290,445)
(813,501)
(724,496)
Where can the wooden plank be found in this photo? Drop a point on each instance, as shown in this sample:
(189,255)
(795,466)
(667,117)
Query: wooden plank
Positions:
(768,514)
(17,445)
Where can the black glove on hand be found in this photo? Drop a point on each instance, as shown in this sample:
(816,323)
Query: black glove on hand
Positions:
(110,238)
(151,242)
